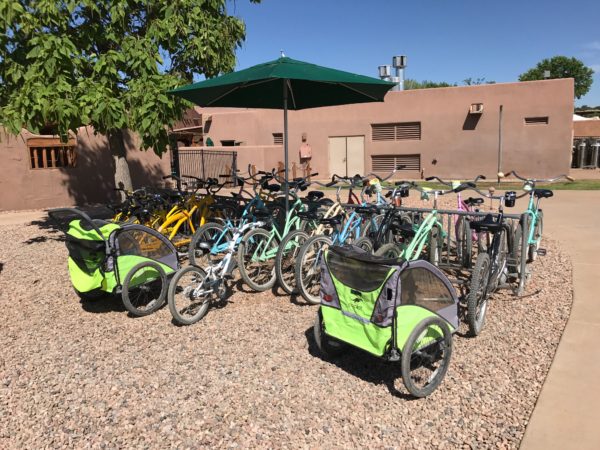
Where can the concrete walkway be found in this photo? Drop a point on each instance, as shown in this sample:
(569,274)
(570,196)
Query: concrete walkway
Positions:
(567,414)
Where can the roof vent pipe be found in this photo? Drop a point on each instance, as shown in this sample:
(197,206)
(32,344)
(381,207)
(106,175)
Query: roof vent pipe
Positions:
(399,63)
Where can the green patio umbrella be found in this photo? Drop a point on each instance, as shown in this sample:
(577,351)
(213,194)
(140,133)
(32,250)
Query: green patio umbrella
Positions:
(285,84)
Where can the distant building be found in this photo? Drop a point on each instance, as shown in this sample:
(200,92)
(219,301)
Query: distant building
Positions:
(449,132)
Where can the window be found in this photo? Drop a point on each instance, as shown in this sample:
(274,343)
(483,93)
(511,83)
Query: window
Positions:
(51,153)
(278,138)
(396,131)
(387,163)
(536,120)
(422,287)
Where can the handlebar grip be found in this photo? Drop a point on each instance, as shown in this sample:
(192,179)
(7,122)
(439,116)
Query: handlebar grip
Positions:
(429,178)
(167,176)
(331,183)
(314,174)
(482,177)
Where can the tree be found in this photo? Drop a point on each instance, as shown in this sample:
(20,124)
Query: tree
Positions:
(476,81)
(108,64)
(563,67)
(425,84)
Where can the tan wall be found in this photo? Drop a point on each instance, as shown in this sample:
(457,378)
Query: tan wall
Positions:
(462,147)
(586,128)
(91,181)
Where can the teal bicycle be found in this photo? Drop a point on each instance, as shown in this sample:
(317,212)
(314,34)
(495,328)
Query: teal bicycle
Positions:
(258,248)
(531,224)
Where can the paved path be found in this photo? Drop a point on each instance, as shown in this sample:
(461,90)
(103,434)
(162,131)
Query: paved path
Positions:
(567,414)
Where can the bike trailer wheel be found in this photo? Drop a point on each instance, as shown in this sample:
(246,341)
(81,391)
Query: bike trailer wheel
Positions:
(144,288)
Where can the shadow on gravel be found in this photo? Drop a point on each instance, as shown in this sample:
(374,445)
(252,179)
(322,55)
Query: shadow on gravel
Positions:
(364,366)
(102,305)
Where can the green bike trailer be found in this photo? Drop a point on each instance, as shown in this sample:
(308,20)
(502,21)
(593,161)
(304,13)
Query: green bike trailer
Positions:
(393,309)
(109,258)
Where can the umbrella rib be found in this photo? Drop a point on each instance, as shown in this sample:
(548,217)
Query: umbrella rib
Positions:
(358,92)
(288,82)
(238,87)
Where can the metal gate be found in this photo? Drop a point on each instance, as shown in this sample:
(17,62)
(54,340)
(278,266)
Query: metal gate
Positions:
(202,163)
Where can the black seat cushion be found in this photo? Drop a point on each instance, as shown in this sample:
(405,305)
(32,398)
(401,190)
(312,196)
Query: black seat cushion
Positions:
(404,229)
(315,195)
(543,193)
(473,201)
(489,223)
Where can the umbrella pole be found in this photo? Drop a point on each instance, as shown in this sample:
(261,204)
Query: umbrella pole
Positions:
(285,145)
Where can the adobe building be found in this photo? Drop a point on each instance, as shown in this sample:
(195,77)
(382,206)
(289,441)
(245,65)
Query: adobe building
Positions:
(450,132)
(586,143)
(454,132)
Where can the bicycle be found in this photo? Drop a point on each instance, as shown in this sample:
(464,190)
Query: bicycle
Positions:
(258,248)
(307,266)
(193,289)
(532,221)
(491,269)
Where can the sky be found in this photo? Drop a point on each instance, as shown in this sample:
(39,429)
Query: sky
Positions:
(444,40)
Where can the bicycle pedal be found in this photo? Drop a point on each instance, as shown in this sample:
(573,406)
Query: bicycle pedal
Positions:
(541,251)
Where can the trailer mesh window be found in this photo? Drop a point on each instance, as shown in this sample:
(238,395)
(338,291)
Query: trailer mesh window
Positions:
(387,163)
(396,131)
(51,153)
(536,120)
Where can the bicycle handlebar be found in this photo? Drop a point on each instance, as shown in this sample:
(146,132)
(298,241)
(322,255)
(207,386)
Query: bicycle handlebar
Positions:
(535,180)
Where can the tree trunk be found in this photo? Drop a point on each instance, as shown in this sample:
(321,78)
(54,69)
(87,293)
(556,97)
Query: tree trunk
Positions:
(118,152)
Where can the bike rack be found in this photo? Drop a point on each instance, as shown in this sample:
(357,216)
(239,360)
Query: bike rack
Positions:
(446,218)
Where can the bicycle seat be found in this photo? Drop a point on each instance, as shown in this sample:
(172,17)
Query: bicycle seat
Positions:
(473,201)
(311,214)
(405,229)
(314,195)
(272,187)
(543,193)
(371,209)
(488,223)
(263,213)
(335,220)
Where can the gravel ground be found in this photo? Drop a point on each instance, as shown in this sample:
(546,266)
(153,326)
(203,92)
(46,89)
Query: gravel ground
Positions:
(248,375)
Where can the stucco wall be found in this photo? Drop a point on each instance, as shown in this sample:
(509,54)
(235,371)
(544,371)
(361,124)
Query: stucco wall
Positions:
(586,128)
(462,146)
(91,181)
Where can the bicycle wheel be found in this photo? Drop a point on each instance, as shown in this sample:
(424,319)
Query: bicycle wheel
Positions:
(464,242)
(477,299)
(537,236)
(203,251)
(285,261)
(144,288)
(364,243)
(256,259)
(434,250)
(390,250)
(426,356)
(187,303)
(308,268)
(514,265)
(327,345)
(499,263)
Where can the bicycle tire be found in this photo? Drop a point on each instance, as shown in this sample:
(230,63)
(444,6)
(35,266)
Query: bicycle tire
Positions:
(308,271)
(464,244)
(477,299)
(364,243)
(258,275)
(389,250)
(412,360)
(207,233)
(516,255)
(285,261)
(329,346)
(149,291)
(182,315)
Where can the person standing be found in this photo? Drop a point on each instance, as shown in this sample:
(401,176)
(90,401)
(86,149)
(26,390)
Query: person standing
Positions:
(305,154)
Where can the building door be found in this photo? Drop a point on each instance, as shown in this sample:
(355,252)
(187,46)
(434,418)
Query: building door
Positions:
(347,155)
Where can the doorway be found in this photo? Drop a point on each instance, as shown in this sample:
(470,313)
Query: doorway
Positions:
(347,155)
